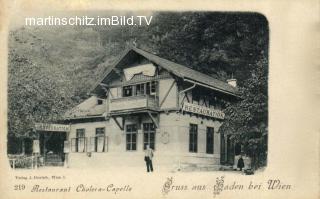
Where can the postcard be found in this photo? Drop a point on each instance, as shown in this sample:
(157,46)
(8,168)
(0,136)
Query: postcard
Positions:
(159,99)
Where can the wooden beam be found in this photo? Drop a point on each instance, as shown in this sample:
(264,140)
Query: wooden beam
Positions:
(183,97)
(186,96)
(167,93)
(123,122)
(154,120)
(117,122)
(111,95)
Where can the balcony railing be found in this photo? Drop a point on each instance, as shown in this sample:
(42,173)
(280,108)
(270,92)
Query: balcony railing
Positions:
(133,103)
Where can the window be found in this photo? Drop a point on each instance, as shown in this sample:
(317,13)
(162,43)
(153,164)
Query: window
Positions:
(99,101)
(140,89)
(148,88)
(78,144)
(153,88)
(98,142)
(210,140)
(193,138)
(131,137)
(149,135)
(127,91)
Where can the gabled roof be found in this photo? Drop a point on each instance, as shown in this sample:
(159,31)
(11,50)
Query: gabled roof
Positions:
(86,109)
(179,70)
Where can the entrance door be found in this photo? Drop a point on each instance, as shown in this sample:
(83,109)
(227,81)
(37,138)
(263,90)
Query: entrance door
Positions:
(51,148)
(223,154)
(226,150)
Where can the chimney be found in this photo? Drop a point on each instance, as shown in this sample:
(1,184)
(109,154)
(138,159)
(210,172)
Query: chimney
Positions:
(232,82)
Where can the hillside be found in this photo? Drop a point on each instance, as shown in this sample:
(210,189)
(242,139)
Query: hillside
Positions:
(51,69)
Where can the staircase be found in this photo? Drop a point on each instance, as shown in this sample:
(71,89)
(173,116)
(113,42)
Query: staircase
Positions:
(197,167)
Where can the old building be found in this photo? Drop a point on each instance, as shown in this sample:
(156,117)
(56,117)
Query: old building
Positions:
(144,99)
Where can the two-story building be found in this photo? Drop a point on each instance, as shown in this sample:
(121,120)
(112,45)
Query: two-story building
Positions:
(145,99)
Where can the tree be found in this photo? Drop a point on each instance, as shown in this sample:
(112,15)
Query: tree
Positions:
(247,120)
(32,96)
(44,69)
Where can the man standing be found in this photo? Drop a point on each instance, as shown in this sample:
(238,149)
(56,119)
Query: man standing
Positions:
(148,158)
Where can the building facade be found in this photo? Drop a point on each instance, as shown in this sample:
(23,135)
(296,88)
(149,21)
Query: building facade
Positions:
(144,99)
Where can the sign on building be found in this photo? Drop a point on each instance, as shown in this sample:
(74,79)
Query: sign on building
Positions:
(51,127)
(201,110)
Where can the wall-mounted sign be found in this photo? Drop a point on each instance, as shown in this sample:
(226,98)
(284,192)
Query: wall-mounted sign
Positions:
(193,108)
(51,127)
(36,146)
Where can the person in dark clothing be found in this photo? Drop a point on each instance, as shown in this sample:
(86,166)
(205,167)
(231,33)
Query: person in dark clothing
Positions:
(240,163)
(148,158)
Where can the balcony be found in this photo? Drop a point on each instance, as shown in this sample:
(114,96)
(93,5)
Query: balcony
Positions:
(133,104)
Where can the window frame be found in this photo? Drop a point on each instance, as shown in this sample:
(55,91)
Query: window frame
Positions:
(193,138)
(132,133)
(150,129)
(128,87)
(140,89)
(94,143)
(153,84)
(210,130)
(99,102)
(75,142)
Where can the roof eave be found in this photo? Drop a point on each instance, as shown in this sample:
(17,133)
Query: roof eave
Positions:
(109,71)
(211,87)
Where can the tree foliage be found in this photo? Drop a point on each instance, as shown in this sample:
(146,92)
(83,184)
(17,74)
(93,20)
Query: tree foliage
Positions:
(45,67)
(247,120)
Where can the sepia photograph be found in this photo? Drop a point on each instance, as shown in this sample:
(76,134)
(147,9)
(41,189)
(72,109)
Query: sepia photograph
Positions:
(170,100)
(186,91)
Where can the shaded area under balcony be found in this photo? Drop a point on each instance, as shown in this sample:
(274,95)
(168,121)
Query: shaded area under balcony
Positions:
(143,104)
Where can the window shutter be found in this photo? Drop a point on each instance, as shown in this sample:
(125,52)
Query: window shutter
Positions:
(100,143)
(81,144)
(92,144)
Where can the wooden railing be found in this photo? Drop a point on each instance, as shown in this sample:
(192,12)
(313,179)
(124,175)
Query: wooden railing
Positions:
(25,162)
(134,102)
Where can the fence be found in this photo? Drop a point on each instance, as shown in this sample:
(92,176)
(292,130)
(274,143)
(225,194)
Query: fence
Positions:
(30,162)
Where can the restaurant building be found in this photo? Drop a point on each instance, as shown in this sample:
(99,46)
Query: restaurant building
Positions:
(145,99)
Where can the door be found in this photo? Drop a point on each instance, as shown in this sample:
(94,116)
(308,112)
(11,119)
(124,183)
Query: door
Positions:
(51,147)
(226,150)
(223,155)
